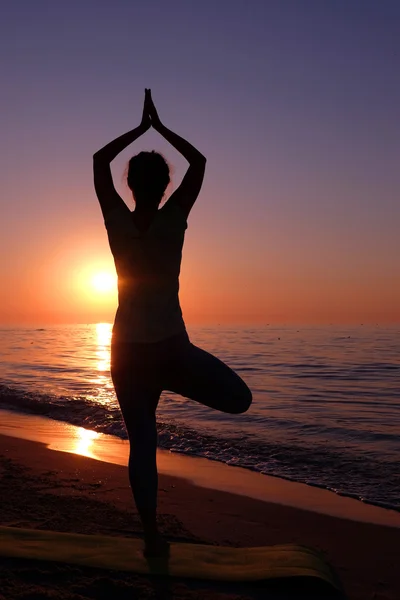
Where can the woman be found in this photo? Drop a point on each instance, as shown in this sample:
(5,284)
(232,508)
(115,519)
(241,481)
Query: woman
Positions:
(150,349)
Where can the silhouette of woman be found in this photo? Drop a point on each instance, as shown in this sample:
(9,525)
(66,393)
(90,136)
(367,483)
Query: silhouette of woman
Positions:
(150,348)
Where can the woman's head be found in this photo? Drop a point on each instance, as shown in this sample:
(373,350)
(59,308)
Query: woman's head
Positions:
(148,176)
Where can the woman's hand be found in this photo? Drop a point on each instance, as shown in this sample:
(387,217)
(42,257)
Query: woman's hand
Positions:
(146,119)
(155,119)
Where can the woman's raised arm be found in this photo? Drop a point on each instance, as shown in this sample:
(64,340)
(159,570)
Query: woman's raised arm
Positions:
(103,182)
(187,192)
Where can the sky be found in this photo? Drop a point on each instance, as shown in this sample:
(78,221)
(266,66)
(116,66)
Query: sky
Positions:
(296,107)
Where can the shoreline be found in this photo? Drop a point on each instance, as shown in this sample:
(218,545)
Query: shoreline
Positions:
(209,474)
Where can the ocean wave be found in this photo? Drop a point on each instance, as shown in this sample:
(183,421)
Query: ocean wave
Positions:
(344,471)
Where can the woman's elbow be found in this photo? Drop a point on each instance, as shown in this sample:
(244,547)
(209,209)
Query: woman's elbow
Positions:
(200,161)
(97,156)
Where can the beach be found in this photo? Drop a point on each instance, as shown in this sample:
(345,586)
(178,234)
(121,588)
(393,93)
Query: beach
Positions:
(64,491)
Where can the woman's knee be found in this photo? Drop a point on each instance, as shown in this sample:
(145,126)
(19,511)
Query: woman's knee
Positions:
(241,399)
(142,429)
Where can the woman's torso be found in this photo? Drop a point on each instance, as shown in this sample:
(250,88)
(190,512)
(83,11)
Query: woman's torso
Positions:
(148,266)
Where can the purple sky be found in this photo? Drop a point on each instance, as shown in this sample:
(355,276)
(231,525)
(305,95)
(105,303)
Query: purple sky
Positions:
(296,106)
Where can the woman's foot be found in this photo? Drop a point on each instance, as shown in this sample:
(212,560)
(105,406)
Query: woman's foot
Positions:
(156,547)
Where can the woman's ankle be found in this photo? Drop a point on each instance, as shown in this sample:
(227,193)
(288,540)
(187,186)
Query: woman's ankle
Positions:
(150,527)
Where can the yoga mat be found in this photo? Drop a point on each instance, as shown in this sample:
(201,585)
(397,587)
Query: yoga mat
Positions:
(185,560)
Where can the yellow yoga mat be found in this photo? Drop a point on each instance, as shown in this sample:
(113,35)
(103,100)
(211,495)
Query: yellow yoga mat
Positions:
(185,560)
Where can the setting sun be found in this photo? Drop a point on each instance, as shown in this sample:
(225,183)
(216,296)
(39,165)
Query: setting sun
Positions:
(104,282)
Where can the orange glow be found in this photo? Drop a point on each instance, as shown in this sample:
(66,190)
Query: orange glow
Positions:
(72,280)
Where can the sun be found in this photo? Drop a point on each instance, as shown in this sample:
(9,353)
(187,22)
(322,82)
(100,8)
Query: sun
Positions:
(104,282)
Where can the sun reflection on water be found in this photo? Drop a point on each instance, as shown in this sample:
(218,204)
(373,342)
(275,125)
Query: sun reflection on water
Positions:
(83,442)
(103,340)
(103,332)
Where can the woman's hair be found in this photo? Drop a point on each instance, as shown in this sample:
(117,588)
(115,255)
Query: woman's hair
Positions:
(148,174)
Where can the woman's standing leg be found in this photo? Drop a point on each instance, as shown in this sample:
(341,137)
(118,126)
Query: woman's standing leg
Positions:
(138,394)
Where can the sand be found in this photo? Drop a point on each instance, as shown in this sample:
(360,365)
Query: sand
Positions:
(48,489)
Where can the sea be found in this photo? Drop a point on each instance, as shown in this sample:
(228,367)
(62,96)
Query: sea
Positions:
(326,399)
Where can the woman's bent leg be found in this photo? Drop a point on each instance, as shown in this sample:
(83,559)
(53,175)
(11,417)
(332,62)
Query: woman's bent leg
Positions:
(198,375)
